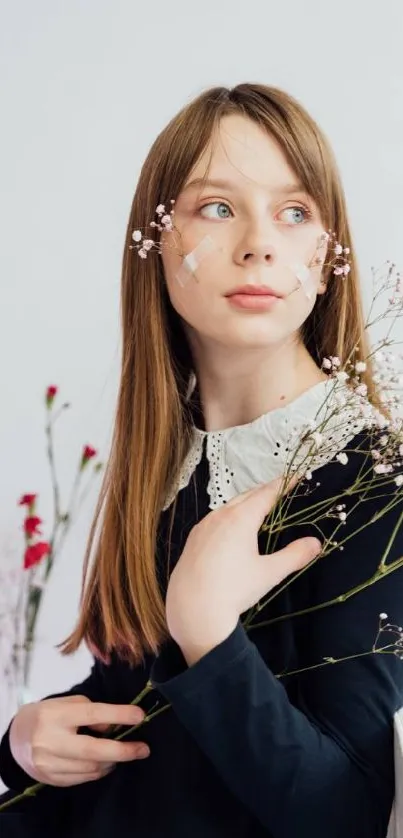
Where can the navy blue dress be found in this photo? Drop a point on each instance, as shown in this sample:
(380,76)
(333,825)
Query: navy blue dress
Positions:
(244,753)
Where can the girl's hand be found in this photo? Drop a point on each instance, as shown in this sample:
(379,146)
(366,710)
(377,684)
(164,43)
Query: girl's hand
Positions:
(221,574)
(44,740)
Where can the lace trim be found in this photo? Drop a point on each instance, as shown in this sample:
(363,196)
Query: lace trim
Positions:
(247,455)
(190,464)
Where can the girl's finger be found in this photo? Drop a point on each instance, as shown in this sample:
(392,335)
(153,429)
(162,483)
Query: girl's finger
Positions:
(271,488)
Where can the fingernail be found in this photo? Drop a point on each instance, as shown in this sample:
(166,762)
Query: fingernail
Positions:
(142,753)
(315,545)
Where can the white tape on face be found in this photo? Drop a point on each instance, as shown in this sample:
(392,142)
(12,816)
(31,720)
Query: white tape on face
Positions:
(192,260)
(304,277)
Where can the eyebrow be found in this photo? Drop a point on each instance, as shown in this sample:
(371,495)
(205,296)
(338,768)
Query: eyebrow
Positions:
(226,184)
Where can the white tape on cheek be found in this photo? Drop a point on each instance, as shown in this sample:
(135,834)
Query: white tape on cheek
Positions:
(304,277)
(192,261)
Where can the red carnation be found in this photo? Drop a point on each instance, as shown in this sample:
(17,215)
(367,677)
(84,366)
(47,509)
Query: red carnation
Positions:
(88,454)
(50,394)
(31,525)
(35,553)
(27,500)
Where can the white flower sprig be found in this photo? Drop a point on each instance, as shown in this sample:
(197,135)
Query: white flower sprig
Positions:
(340,261)
(165,223)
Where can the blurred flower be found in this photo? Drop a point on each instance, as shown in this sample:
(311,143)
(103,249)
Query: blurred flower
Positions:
(35,553)
(31,525)
(27,500)
(51,392)
(87,455)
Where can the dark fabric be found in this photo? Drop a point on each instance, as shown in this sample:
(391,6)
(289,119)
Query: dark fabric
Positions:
(243,753)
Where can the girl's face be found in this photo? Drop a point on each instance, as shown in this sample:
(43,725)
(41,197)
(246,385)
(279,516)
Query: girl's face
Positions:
(264,230)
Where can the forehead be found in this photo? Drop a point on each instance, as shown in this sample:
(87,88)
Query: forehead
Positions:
(244,153)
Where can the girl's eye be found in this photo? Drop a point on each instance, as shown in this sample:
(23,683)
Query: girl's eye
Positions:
(223,210)
(301,214)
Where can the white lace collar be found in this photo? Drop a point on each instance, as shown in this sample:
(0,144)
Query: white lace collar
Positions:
(247,455)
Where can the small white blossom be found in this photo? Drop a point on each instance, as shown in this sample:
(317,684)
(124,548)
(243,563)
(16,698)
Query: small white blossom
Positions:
(383,616)
(137,236)
(317,438)
(166,220)
(383,468)
(308,474)
(342,458)
(160,209)
(361,390)
(343,516)
(399,480)
(360,366)
(147,244)
(338,250)
(326,364)
(142,253)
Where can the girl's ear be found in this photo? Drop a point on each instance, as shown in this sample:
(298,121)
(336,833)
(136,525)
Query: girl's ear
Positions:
(321,287)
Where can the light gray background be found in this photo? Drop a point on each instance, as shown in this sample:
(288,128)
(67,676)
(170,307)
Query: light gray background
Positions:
(85,87)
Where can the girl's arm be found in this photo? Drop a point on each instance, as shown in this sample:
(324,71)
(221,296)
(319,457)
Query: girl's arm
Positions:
(323,765)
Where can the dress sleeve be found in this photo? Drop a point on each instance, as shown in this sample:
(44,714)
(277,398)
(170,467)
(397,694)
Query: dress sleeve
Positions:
(323,763)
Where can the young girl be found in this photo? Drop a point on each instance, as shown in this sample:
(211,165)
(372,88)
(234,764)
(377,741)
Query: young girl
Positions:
(233,324)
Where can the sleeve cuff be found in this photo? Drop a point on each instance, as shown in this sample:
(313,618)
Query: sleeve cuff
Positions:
(172,677)
(12,775)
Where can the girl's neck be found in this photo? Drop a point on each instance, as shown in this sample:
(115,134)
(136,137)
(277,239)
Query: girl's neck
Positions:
(237,400)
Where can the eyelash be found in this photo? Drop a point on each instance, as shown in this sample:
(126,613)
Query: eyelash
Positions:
(306,209)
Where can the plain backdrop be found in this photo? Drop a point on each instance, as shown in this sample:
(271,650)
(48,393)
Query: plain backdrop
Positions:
(85,87)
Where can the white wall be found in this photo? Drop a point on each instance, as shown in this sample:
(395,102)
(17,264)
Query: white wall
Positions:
(85,87)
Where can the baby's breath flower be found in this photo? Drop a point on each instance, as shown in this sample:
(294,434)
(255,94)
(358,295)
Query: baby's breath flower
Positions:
(383,468)
(317,438)
(399,480)
(147,244)
(164,224)
(360,366)
(342,458)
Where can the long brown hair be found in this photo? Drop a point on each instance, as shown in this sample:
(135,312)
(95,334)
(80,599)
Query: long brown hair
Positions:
(122,607)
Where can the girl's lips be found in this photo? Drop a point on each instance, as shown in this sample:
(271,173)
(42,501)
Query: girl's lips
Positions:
(254,302)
